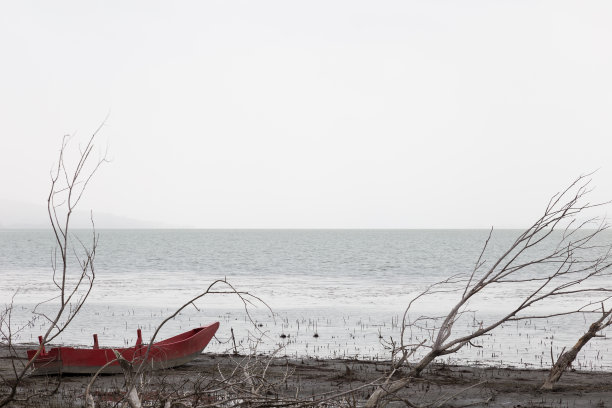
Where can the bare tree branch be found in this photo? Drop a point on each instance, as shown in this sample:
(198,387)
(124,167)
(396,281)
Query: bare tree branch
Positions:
(572,265)
(67,189)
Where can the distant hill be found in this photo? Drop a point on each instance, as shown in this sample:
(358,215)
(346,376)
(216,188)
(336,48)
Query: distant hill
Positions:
(18,215)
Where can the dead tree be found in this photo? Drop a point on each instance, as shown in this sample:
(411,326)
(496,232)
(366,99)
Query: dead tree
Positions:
(566,358)
(72,260)
(560,255)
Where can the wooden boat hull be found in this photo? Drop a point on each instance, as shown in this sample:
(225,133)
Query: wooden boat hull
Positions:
(168,353)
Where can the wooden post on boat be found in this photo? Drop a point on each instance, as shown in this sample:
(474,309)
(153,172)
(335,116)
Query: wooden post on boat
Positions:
(40,341)
(96,345)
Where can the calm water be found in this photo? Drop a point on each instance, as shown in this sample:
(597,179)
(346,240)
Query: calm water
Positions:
(348,286)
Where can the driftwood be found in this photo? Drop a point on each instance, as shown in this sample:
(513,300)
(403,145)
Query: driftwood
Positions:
(566,358)
(130,381)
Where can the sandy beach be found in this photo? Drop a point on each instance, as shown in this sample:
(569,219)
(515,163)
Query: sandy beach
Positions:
(308,378)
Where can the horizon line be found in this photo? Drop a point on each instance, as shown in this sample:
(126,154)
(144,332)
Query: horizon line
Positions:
(280,228)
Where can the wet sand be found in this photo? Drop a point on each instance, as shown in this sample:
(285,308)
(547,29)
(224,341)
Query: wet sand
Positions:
(491,386)
(442,385)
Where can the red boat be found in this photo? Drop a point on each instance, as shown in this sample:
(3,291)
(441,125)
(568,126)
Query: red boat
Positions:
(168,353)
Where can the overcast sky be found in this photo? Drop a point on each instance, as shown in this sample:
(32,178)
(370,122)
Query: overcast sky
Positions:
(311,114)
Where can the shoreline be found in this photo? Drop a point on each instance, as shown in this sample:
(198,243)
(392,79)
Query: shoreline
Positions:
(451,385)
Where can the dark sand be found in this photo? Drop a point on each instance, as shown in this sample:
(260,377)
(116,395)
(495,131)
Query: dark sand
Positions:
(458,386)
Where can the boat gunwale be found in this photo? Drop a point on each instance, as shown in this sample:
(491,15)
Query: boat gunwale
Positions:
(193,333)
(55,354)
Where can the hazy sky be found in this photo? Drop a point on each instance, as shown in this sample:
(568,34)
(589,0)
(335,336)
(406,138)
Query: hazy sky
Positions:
(401,114)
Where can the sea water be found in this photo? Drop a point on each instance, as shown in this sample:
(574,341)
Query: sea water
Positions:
(317,293)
